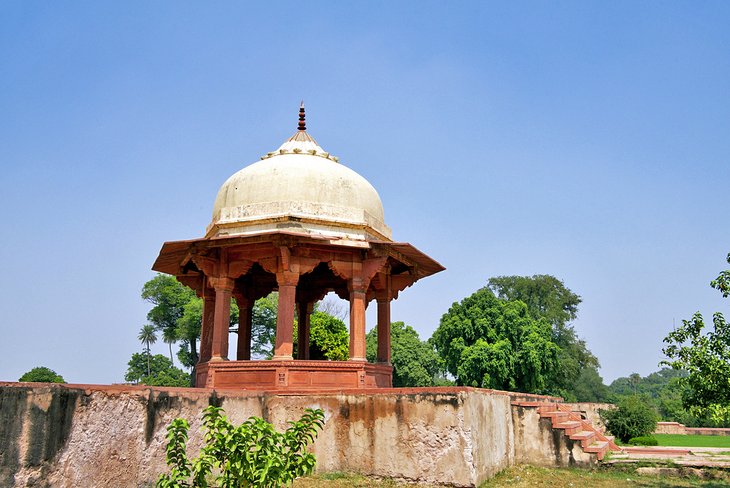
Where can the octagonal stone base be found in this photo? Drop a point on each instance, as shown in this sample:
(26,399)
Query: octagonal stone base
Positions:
(294,375)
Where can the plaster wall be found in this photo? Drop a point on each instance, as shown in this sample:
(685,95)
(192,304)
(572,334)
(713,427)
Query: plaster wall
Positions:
(592,412)
(77,435)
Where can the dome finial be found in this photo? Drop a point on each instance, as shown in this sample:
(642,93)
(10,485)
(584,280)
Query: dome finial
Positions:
(302,124)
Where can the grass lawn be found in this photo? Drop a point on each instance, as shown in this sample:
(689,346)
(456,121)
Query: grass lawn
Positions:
(693,440)
(529,476)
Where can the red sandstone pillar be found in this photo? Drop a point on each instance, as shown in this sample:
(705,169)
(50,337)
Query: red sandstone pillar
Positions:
(384,298)
(357,320)
(245,312)
(283,347)
(305,312)
(384,330)
(206,328)
(223,289)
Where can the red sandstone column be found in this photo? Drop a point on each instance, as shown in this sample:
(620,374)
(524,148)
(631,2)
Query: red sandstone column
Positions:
(223,290)
(305,311)
(384,298)
(206,329)
(285,318)
(245,311)
(357,320)
(384,330)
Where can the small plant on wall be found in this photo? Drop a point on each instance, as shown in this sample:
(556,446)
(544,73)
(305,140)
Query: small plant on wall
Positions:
(252,454)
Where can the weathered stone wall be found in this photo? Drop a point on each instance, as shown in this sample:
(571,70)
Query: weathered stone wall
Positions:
(76,435)
(591,412)
(677,428)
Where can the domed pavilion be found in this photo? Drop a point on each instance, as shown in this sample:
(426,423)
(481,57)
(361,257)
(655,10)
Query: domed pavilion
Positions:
(301,223)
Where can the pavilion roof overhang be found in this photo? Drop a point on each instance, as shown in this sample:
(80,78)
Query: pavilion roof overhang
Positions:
(174,255)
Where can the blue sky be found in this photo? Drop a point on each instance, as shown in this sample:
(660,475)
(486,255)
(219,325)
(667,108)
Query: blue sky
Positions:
(587,140)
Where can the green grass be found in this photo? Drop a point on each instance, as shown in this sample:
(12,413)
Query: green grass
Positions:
(532,476)
(693,440)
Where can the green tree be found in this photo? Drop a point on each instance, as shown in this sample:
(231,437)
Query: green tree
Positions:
(263,326)
(415,362)
(252,454)
(633,417)
(147,337)
(663,390)
(170,299)
(548,298)
(41,374)
(706,359)
(156,370)
(177,312)
(493,343)
(169,337)
(544,295)
(590,387)
(328,337)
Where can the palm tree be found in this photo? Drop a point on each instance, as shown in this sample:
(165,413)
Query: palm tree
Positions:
(169,337)
(147,337)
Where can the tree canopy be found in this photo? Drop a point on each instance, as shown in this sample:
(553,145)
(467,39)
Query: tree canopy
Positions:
(415,362)
(328,337)
(546,297)
(705,356)
(161,371)
(177,312)
(493,343)
(42,374)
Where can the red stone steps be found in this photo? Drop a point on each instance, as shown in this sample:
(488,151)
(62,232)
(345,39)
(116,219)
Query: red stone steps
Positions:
(576,428)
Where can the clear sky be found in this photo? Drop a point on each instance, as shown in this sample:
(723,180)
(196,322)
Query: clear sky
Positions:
(587,140)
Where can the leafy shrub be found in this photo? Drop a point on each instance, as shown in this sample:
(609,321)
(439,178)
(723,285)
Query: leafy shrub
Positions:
(645,440)
(41,374)
(252,454)
(633,417)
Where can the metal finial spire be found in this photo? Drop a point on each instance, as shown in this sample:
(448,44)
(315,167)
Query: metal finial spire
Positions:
(302,124)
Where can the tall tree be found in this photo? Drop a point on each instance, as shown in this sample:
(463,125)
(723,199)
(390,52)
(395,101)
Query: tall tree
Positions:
(705,357)
(548,298)
(169,337)
(415,362)
(147,337)
(493,343)
(170,299)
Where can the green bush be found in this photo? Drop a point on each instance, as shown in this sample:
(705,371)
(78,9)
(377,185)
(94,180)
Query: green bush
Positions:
(645,440)
(252,454)
(41,374)
(633,417)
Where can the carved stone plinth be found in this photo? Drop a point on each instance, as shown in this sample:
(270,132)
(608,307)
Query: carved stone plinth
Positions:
(293,375)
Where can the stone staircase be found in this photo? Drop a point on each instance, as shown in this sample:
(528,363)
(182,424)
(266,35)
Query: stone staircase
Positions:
(574,426)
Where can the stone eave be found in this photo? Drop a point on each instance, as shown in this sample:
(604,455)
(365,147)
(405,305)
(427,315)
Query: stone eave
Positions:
(173,254)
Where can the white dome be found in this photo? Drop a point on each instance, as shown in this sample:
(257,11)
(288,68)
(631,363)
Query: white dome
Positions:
(299,188)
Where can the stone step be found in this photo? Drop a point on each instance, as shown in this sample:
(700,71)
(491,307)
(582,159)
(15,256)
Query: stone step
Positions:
(556,416)
(547,408)
(586,437)
(570,426)
(519,403)
(598,447)
(574,426)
